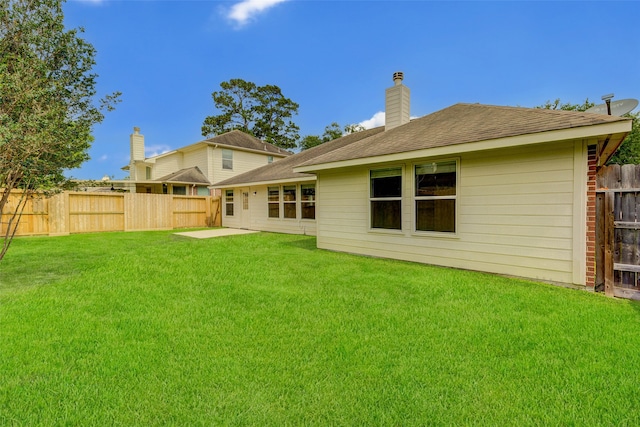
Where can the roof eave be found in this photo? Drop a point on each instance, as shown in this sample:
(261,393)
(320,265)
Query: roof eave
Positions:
(611,129)
(270,182)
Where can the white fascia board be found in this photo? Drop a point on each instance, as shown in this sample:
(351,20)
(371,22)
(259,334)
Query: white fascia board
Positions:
(583,132)
(272,182)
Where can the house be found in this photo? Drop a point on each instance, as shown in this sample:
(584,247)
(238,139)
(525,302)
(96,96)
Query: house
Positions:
(504,190)
(192,169)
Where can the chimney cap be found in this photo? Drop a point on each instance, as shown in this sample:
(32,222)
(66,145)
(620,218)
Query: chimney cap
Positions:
(398,76)
(136,129)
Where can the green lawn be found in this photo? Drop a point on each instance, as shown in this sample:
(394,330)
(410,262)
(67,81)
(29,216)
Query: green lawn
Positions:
(264,329)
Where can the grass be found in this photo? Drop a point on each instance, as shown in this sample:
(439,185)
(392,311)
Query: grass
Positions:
(264,329)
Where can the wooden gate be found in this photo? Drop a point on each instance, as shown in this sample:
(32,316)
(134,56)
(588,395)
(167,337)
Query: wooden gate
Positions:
(618,231)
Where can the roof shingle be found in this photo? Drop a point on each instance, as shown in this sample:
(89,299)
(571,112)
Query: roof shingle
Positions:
(283,169)
(457,124)
(460,124)
(239,139)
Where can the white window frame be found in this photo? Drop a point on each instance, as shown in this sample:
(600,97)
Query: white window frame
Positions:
(308,201)
(415,198)
(277,203)
(288,203)
(228,201)
(399,198)
(227,159)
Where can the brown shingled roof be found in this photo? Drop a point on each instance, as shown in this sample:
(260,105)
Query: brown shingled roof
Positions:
(239,139)
(189,175)
(463,123)
(283,169)
(458,124)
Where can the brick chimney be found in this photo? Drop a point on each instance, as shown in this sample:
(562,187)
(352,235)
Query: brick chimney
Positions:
(397,103)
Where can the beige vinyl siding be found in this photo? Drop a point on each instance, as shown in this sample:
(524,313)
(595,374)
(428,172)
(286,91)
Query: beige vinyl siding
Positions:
(259,214)
(166,165)
(243,161)
(197,158)
(515,213)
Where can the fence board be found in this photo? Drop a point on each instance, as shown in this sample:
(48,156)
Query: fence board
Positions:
(90,213)
(148,212)
(34,220)
(618,230)
(79,212)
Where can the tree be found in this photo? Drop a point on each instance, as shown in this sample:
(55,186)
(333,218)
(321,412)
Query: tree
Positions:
(557,105)
(46,103)
(261,111)
(629,151)
(331,132)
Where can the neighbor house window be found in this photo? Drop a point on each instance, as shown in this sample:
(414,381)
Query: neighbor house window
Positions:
(435,196)
(180,190)
(228,202)
(289,201)
(386,198)
(308,201)
(227,159)
(274,202)
(269,159)
(148,172)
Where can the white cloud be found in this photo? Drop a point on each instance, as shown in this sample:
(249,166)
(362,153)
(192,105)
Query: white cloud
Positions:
(375,121)
(246,10)
(103,158)
(378,120)
(156,150)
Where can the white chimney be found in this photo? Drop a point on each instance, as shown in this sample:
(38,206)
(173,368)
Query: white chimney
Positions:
(136,142)
(397,103)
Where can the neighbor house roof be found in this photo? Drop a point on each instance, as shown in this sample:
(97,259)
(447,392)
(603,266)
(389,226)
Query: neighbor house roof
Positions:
(239,139)
(191,175)
(465,124)
(283,169)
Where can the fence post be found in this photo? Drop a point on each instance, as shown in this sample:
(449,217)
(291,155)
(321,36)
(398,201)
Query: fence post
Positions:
(207,209)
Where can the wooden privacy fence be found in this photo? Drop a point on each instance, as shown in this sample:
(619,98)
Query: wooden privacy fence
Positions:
(618,231)
(79,212)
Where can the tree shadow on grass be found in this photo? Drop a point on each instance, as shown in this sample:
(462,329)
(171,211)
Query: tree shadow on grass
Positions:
(26,276)
(304,242)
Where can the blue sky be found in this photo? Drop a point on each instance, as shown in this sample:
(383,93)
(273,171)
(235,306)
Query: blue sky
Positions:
(335,58)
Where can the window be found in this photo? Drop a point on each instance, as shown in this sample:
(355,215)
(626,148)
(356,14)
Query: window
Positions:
(435,196)
(245,200)
(274,202)
(308,201)
(180,190)
(386,198)
(227,159)
(269,159)
(289,201)
(228,202)
(147,172)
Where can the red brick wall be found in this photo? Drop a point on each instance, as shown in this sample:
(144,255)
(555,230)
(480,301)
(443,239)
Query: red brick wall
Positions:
(591,218)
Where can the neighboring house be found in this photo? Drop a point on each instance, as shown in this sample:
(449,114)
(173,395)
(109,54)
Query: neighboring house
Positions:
(191,170)
(497,189)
